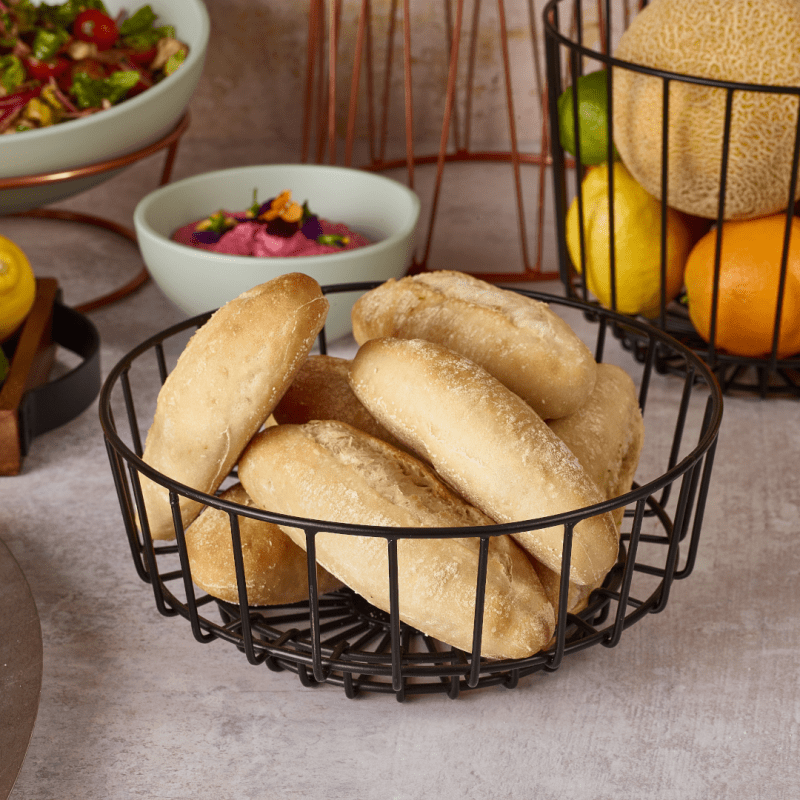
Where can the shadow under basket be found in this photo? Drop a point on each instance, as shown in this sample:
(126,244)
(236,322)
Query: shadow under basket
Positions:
(574,47)
(342,640)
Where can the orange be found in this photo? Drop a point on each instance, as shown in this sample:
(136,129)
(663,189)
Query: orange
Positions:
(749,278)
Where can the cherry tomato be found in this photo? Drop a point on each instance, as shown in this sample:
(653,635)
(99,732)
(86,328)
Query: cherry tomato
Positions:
(44,70)
(95,26)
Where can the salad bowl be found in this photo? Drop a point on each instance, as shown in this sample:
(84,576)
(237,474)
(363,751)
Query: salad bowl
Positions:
(117,131)
(382,209)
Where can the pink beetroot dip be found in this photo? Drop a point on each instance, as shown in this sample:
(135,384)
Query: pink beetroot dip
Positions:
(250,238)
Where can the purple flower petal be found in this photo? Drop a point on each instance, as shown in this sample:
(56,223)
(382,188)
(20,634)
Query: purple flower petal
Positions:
(205,237)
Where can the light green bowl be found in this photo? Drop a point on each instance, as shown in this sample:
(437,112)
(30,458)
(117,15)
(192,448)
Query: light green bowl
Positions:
(382,209)
(117,131)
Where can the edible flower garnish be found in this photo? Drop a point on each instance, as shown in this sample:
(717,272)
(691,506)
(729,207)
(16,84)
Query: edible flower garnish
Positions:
(210,229)
(284,208)
(281,216)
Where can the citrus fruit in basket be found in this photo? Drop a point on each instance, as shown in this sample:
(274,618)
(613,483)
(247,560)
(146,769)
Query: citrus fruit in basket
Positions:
(592,94)
(17,287)
(749,277)
(637,243)
(738,41)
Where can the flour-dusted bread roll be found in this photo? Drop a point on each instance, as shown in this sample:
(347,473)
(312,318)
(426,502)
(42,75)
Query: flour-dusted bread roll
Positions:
(577,595)
(226,383)
(606,433)
(328,470)
(275,568)
(488,444)
(518,339)
(321,390)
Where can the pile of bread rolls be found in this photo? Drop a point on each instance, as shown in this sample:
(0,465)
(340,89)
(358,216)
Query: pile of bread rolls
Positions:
(466,405)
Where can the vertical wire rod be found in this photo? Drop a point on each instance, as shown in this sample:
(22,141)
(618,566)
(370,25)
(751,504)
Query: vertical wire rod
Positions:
(480,602)
(394,614)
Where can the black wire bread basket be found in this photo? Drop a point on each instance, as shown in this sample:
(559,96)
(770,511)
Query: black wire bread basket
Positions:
(580,36)
(339,638)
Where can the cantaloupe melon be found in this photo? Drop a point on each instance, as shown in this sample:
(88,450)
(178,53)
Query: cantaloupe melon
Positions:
(745,41)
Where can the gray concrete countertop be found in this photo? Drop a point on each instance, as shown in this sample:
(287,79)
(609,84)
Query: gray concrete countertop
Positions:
(701,701)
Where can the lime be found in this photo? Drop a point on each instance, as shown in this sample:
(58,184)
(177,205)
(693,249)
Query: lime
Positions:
(592,119)
(637,243)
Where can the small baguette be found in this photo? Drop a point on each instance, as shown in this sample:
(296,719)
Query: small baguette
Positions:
(606,433)
(321,390)
(226,383)
(516,338)
(328,470)
(488,444)
(275,568)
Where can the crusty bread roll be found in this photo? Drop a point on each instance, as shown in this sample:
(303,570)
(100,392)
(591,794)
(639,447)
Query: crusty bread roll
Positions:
(518,339)
(606,433)
(488,444)
(577,595)
(275,568)
(328,470)
(225,384)
(321,390)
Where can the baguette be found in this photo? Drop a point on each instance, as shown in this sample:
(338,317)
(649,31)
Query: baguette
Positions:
(321,390)
(328,470)
(225,384)
(518,339)
(275,568)
(606,433)
(488,444)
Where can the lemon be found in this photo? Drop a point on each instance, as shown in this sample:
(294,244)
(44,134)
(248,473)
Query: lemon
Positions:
(637,243)
(17,287)
(592,119)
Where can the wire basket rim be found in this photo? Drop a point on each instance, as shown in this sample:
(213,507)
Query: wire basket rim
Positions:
(655,72)
(706,440)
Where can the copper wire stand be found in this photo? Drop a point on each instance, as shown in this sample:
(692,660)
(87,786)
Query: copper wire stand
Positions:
(169,142)
(320,111)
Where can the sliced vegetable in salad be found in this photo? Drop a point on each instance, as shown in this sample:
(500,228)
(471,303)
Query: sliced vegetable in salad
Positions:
(66,61)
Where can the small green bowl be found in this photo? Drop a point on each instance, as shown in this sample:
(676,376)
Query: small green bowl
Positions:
(380,208)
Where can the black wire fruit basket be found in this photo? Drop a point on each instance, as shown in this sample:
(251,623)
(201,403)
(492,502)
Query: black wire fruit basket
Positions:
(580,38)
(339,638)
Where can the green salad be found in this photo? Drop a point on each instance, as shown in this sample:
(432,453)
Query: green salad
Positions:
(65,61)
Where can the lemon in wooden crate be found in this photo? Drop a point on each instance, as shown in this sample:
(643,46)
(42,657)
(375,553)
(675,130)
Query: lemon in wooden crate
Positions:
(637,243)
(747,41)
(17,287)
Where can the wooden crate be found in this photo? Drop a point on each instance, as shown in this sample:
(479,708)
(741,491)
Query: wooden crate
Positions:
(30,367)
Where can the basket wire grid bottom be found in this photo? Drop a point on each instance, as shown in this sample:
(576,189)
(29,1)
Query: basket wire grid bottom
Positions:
(339,638)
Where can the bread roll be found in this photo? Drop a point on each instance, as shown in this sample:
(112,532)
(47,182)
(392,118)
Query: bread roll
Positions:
(488,444)
(321,390)
(328,470)
(226,382)
(519,340)
(606,433)
(275,568)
